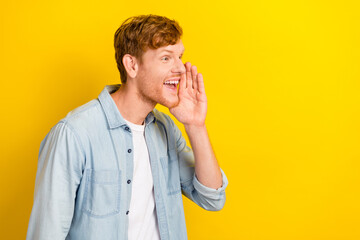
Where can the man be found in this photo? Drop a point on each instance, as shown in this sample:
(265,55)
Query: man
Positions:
(115,167)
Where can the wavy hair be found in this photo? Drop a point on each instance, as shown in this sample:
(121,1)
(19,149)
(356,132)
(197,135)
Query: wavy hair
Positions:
(140,33)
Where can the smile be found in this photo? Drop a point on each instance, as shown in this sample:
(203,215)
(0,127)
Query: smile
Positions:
(171,82)
(172,85)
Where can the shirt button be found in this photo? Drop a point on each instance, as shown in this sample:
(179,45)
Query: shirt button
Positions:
(127,212)
(129,181)
(129,150)
(127,128)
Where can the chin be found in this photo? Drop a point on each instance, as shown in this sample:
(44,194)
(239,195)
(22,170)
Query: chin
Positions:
(169,104)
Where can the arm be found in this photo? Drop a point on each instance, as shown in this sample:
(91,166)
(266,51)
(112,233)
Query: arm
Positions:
(207,169)
(58,175)
(209,180)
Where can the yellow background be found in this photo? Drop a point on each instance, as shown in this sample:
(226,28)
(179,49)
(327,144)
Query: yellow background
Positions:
(282,79)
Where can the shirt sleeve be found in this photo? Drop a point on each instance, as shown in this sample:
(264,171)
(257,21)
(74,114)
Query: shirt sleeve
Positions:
(60,164)
(208,198)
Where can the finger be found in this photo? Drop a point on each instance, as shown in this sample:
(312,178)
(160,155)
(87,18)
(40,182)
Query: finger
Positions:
(182,84)
(194,77)
(188,75)
(200,82)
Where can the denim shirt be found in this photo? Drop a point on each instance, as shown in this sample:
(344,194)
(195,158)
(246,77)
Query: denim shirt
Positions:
(82,188)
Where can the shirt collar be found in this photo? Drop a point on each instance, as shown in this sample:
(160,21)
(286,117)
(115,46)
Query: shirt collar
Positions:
(111,111)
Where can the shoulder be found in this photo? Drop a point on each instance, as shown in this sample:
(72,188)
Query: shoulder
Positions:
(163,118)
(84,113)
(168,123)
(84,118)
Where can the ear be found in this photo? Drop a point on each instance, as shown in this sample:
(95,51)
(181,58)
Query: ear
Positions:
(131,65)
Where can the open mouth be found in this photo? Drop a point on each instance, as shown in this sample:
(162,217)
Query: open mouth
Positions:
(171,84)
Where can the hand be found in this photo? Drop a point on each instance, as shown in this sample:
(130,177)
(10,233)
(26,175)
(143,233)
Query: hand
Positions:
(192,106)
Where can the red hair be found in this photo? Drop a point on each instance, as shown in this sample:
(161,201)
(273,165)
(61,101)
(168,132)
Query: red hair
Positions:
(139,33)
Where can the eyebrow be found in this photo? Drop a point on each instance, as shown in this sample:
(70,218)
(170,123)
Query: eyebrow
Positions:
(165,50)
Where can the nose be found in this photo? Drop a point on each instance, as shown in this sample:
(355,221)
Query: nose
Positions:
(179,67)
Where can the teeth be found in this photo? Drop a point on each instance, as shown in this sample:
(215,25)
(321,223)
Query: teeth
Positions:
(172,82)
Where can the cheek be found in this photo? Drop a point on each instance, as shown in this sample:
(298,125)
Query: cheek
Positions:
(155,75)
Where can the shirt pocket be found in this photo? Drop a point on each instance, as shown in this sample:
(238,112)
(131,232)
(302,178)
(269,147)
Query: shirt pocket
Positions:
(170,167)
(102,192)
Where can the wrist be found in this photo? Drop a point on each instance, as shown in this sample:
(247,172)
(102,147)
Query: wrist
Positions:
(189,128)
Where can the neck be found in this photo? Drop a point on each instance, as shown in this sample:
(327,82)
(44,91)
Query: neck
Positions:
(130,105)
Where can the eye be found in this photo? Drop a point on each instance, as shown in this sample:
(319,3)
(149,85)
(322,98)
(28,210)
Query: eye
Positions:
(165,58)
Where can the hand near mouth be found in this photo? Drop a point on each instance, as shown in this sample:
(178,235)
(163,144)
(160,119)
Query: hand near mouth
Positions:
(192,107)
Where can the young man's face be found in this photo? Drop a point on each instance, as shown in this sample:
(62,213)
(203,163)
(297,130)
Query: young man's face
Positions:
(159,75)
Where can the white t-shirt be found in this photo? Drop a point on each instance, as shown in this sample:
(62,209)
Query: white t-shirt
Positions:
(143,223)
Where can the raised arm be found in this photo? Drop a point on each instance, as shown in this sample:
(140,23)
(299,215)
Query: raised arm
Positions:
(191,111)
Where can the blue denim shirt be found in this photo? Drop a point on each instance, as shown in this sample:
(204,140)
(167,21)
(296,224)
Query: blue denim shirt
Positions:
(85,161)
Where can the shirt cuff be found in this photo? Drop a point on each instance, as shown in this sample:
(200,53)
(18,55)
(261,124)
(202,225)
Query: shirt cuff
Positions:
(211,192)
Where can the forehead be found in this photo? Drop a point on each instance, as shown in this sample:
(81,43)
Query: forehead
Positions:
(177,48)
